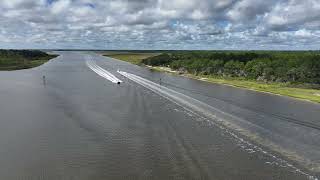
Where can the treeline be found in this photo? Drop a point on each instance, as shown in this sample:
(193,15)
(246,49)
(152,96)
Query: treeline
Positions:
(27,54)
(22,59)
(297,66)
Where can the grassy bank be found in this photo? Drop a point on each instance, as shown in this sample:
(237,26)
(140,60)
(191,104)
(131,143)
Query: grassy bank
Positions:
(134,58)
(22,59)
(274,88)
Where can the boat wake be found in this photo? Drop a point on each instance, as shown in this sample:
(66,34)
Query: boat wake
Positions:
(221,119)
(102,72)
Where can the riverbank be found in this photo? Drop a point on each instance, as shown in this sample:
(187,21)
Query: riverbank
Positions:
(273,88)
(282,89)
(22,59)
(134,58)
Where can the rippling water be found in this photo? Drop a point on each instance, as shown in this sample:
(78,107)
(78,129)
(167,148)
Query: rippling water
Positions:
(81,126)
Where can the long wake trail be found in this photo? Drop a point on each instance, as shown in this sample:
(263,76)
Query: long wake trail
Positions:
(187,102)
(223,120)
(102,72)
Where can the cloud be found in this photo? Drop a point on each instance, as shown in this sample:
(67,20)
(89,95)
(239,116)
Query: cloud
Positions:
(246,10)
(59,6)
(160,24)
(294,14)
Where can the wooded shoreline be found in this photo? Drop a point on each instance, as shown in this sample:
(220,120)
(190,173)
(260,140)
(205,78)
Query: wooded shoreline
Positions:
(293,74)
(22,59)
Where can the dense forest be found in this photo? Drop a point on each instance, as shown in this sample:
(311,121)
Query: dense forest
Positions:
(268,66)
(22,59)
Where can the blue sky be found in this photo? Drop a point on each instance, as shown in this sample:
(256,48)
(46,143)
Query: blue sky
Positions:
(160,24)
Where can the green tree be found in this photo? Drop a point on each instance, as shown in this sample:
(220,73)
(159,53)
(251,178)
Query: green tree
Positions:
(233,68)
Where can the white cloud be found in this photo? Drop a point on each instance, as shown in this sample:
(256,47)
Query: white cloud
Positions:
(249,9)
(60,6)
(160,23)
(293,14)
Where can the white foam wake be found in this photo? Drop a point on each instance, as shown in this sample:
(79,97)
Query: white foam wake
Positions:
(221,118)
(102,72)
(185,101)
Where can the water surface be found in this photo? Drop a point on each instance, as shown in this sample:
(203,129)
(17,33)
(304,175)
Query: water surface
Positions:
(78,125)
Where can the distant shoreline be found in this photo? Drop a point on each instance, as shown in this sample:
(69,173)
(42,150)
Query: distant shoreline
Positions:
(11,60)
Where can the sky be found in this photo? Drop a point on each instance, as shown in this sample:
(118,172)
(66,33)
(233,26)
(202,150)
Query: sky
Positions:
(160,24)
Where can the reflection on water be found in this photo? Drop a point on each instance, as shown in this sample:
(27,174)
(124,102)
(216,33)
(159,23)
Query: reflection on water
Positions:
(82,126)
